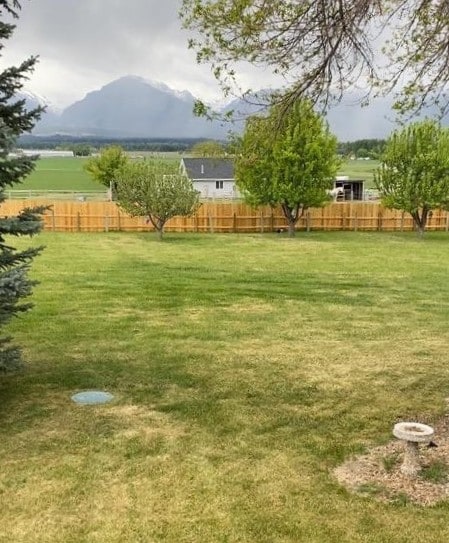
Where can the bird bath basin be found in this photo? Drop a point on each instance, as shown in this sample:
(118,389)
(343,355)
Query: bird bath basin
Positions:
(92,397)
(412,433)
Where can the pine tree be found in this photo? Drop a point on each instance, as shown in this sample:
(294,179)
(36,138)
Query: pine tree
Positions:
(14,120)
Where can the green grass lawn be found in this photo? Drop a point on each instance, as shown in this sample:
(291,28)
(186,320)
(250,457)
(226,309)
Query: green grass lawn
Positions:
(244,369)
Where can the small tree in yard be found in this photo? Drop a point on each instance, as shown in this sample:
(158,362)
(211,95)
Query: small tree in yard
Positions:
(287,159)
(104,168)
(155,189)
(14,264)
(414,176)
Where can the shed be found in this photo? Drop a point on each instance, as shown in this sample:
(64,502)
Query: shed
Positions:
(353,188)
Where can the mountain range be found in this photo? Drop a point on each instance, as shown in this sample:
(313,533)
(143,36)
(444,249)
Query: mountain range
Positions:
(134,107)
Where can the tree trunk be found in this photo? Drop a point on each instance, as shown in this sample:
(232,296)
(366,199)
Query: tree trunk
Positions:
(420,221)
(291,229)
(292,215)
(158,226)
(159,229)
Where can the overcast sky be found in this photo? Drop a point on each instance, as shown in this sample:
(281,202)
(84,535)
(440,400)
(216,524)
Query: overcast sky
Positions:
(85,44)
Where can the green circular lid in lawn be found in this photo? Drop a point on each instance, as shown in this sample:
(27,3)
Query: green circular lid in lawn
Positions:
(92,397)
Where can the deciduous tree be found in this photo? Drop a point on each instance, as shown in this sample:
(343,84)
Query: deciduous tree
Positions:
(103,168)
(155,189)
(288,160)
(414,176)
(208,149)
(14,120)
(81,149)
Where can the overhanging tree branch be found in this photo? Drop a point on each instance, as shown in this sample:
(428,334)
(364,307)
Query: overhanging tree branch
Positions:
(322,48)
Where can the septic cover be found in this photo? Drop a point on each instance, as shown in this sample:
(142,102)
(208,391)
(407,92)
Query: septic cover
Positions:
(92,397)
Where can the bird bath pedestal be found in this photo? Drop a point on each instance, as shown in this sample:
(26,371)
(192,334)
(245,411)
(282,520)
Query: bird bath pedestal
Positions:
(412,433)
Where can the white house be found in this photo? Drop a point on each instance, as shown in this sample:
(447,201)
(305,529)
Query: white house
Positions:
(212,177)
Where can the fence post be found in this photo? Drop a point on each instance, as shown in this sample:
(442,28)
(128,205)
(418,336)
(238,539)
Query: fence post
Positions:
(447,221)
(356,222)
(402,221)
(106,223)
(379,220)
(196,223)
(119,225)
(308,221)
(272,220)
(53,220)
(261,221)
(78,221)
(234,222)
(211,223)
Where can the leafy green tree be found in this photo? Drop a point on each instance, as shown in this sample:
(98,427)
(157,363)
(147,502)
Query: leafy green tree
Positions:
(81,149)
(14,265)
(155,189)
(208,149)
(362,152)
(104,168)
(414,176)
(288,160)
(322,48)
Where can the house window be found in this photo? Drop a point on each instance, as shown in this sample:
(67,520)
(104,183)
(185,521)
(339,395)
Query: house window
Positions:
(218,184)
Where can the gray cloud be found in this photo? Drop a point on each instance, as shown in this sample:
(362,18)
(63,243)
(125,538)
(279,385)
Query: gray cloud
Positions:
(86,43)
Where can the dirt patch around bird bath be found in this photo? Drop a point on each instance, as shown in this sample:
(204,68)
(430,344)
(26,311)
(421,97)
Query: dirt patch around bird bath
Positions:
(378,472)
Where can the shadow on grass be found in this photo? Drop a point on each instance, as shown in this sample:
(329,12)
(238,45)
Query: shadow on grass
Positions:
(175,286)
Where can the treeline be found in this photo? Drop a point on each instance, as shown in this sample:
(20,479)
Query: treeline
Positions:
(84,146)
(369,148)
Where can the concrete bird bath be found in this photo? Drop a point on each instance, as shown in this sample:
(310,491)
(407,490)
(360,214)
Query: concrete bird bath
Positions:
(412,433)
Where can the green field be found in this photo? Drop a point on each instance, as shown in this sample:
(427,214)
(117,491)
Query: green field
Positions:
(68,173)
(360,169)
(244,369)
(59,174)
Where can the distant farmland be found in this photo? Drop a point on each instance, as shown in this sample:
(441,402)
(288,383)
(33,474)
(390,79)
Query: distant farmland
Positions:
(68,173)
(360,169)
(60,173)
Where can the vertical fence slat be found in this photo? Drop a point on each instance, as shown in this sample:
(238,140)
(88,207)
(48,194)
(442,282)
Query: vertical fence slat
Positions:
(211,223)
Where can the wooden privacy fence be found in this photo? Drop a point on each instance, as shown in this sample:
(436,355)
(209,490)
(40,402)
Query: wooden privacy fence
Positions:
(67,216)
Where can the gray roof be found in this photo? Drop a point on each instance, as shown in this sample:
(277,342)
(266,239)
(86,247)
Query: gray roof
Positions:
(209,168)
